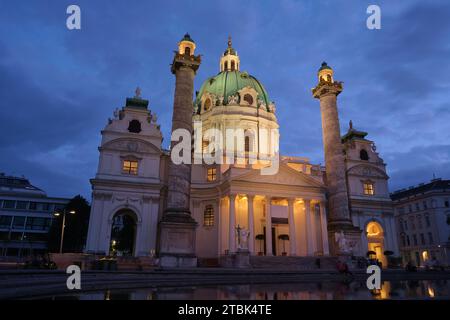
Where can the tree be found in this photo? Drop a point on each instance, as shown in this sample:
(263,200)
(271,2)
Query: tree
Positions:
(284,238)
(260,238)
(75,233)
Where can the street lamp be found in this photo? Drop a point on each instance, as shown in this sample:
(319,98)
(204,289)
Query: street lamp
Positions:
(63,226)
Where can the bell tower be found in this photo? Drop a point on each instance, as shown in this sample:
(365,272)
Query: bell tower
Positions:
(339,218)
(177,227)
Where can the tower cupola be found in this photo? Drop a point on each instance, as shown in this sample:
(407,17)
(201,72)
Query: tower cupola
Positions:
(325,73)
(186,46)
(230,59)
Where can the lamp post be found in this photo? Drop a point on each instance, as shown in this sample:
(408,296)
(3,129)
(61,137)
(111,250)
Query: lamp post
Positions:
(63,226)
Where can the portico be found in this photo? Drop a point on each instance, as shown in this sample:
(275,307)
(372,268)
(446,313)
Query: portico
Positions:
(277,224)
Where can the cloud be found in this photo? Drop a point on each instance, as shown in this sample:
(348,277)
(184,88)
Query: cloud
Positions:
(58,87)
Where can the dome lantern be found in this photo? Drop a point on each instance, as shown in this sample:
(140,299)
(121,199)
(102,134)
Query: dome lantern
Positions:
(230,59)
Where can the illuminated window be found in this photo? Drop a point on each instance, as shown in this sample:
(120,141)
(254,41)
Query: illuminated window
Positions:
(247,144)
(211,174)
(130,167)
(368,188)
(208,216)
(207,104)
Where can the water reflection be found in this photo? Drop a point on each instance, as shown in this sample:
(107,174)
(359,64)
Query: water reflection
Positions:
(423,289)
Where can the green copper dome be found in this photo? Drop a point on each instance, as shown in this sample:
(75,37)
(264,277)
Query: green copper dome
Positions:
(228,83)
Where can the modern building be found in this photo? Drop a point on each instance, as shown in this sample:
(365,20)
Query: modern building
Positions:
(423,222)
(287,212)
(26,214)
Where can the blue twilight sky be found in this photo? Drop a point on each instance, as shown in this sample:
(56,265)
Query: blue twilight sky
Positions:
(58,87)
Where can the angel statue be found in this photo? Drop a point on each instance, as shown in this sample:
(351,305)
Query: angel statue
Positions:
(243,235)
(272,107)
(261,103)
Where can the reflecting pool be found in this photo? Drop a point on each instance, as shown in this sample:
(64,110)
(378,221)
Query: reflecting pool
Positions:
(423,289)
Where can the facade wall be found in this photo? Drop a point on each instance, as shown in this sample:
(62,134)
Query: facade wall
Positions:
(423,224)
(118,189)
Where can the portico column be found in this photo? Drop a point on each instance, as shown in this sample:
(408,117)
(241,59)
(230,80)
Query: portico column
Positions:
(292,238)
(232,226)
(323,223)
(309,228)
(251,223)
(269,251)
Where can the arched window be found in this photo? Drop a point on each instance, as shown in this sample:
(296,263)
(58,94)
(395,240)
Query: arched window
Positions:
(134,126)
(207,104)
(208,216)
(363,155)
(225,66)
(248,98)
(187,51)
(247,144)
(233,65)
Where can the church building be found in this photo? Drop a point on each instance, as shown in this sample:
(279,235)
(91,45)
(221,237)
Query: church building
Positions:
(233,207)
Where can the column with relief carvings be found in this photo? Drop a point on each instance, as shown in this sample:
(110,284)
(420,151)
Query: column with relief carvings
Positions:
(177,227)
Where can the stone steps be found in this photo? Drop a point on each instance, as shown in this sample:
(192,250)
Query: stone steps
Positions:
(292,263)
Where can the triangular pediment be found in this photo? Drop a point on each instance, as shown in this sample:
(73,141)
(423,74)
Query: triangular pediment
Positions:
(285,176)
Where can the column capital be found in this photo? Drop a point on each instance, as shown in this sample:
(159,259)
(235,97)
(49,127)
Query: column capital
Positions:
(324,89)
(185,61)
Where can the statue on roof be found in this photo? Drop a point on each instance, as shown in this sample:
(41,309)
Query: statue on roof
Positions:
(138,92)
(350,124)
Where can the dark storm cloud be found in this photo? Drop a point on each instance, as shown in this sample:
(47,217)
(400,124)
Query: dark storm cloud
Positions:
(58,87)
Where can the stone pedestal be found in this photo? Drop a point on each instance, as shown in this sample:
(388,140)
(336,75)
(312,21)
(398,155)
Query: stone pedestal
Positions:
(242,259)
(177,242)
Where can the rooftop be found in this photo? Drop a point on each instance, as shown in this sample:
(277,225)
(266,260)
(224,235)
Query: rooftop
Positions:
(435,184)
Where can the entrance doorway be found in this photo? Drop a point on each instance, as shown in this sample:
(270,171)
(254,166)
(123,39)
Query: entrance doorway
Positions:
(375,239)
(123,233)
